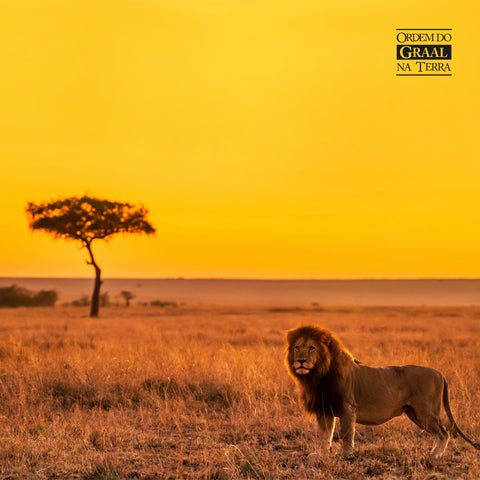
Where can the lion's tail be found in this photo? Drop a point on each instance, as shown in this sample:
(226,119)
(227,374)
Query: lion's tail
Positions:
(455,428)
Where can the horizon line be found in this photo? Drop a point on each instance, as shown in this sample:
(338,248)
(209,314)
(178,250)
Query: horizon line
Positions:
(282,279)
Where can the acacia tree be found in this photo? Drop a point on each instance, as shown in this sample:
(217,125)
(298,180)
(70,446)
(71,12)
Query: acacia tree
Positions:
(127,296)
(85,219)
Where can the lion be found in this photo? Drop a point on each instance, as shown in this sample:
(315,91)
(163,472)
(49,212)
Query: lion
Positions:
(332,384)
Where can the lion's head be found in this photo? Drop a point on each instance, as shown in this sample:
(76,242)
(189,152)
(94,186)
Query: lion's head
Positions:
(307,351)
(312,350)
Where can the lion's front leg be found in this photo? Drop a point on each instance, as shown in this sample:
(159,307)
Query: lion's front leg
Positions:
(326,426)
(347,429)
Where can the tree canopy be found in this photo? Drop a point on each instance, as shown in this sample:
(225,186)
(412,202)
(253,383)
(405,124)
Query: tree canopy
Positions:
(87,218)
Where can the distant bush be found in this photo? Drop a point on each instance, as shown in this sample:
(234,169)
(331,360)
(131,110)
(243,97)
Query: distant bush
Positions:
(105,299)
(159,303)
(85,301)
(45,298)
(82,301)
(14,296)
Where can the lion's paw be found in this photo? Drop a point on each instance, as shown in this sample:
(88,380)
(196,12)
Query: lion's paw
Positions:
(349,457)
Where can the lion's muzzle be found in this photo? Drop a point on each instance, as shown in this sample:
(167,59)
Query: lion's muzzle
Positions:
(301,367)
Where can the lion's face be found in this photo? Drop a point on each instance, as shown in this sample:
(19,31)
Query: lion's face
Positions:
(306,354)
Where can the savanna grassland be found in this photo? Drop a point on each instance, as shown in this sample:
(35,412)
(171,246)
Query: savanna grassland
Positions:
(202,392)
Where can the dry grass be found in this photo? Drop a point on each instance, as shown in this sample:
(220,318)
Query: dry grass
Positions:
(202,393)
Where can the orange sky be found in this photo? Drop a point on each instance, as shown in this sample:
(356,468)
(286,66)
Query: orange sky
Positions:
(267,138)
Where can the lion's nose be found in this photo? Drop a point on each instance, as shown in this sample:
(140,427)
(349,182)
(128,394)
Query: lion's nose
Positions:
(301,362)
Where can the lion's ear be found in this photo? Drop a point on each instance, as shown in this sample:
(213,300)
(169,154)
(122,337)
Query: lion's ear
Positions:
(326,339)
(290,337)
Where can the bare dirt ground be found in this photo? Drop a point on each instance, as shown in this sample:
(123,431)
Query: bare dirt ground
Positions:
(202,392)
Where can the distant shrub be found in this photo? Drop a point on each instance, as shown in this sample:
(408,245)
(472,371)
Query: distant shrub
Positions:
(83,301)
(159,303)
(45,298)
(105,299)
(14,296)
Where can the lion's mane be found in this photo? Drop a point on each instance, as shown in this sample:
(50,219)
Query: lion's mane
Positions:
(322,389)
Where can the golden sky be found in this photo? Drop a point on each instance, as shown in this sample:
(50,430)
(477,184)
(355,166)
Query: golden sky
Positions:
(268,138)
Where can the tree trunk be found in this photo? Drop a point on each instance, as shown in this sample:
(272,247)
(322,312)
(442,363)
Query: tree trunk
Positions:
(94,307)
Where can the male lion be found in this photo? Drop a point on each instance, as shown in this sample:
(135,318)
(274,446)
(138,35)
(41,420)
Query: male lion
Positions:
(333,384)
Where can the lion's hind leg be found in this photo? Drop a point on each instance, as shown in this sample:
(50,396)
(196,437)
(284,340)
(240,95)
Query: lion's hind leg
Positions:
(442,435)
(430,423)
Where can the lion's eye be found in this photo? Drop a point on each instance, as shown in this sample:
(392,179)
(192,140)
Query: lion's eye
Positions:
(311,349)
(296,348)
